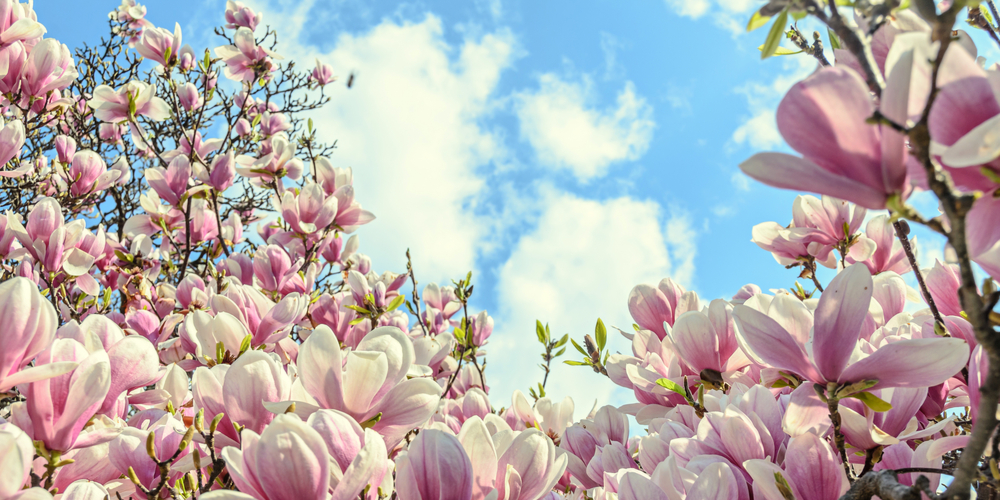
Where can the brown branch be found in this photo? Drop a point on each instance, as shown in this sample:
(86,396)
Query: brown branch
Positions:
(902,230)
(852,39)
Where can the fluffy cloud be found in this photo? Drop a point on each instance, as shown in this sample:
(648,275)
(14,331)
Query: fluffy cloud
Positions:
(410,128)
(759,132)
(568,134)
(730,15)
(689,8)
(579,264)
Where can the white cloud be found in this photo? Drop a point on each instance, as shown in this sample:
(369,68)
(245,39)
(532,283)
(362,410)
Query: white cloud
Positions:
(730,15)
(580,264)
(566,133)
(410,128)
(759,132)
(689,8)
(760,129)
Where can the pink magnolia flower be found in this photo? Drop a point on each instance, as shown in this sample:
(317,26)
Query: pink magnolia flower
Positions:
(18,23)
(189,97)
(517,465)
(132,100)
(790,245)
(241,16)
(707,340)
(172,182)
(309,211)
(16,459)
(943,282)
(322,74)
(715,482)
(366,381)
(134,364)
(435,467)
(160,45)
(652,306)
(221,174)
(888,255)
(246,61)
(89,174)
(964,120)
(11,143)
(779,339)
(273,267)
(29,327)
(291,460)
(332,178)
(811,468)
(49,67)
(982,231)
(61,406)
(129,450)
(823,117)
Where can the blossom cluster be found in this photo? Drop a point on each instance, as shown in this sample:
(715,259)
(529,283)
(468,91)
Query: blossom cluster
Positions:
(152,349)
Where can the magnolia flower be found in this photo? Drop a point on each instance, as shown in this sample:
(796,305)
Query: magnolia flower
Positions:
(322,74)
(161,46)
(132,100)
(60,407)
(824,118)
(48,67)
(246,61)
(241,16)
(780,337)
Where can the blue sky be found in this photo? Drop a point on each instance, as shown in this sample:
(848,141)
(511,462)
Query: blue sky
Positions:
(565,151)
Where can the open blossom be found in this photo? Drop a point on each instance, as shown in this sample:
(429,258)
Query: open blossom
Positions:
(781,340)
(160,45)
(49,67)
(239,15)
(851,160)
(322,74)
(246,60)
(132,100)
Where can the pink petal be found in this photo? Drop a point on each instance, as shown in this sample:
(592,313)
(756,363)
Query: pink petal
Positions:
(785,171)
(911,363)
(841,311)
(772,344)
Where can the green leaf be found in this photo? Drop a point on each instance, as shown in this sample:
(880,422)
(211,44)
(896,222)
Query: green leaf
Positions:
(799,15)
(359,309)
(670,385)
(872,401)
(220,351)
(578,348)
(782,51)
(559,353)
(561,342)
(601,333)
(834,40)
(396,302)
(540,332)
(576,363)
(356,321)
(757,21)
(245,344)
(774,36)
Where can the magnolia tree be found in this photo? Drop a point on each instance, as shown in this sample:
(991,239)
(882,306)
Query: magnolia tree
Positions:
(151,349)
